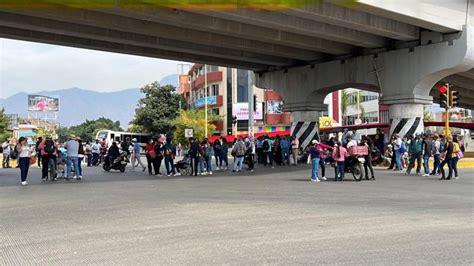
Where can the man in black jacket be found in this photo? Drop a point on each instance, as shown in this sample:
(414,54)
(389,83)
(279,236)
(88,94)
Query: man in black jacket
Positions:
(194,154)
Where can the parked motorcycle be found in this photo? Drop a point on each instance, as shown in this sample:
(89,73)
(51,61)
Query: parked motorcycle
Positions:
(119,163)
(355,165)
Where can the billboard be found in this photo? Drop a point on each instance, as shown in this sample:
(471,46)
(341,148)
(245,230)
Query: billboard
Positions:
(211,100)
(241,110)
(274,107)
(43,103)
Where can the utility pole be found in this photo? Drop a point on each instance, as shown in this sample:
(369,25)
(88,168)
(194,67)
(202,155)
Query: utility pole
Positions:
(445,102)
(205,99)
(250,98)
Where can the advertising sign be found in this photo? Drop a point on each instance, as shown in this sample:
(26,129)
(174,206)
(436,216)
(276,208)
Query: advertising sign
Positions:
(274,107)
(188,133)
(43,103)
(241,111)
(211,100)
(325,122)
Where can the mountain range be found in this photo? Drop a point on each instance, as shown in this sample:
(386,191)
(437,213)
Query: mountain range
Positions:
(77,105)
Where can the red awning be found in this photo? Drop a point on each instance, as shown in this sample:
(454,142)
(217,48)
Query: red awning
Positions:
(230,138)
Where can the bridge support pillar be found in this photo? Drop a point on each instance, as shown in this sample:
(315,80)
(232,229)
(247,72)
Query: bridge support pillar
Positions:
(305,126)
(406,119)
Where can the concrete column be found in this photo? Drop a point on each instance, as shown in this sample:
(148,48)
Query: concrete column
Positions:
(305,126)
(406,119)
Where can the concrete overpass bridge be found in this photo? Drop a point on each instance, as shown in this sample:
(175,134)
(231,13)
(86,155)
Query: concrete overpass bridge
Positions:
(402,49)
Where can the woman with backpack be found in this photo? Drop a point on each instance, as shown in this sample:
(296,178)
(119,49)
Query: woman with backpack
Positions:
(49,151)
(24,155)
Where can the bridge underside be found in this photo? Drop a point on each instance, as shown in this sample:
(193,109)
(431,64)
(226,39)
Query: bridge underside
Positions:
(260,40)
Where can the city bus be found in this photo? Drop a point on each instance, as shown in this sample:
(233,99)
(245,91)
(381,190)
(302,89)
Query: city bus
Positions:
(117,136)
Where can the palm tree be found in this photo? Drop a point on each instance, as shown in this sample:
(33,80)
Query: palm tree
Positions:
(344,105)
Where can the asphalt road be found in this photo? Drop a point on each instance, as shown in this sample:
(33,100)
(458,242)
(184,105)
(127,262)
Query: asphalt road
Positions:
(273,216)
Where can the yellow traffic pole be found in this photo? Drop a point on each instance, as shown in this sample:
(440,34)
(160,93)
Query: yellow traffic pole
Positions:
(447,131)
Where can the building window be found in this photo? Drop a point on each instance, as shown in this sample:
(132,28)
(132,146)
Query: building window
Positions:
(215,111)
(215,89)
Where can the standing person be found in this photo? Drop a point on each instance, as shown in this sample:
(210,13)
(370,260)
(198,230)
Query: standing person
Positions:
(38,153)
(6,154)
(249,154)
(72,157)
(427,153)
(315,157)
(224,153)
(379,140)
(416,152)
(48,150)
(322,157)
(136,150)
(436,147)
(170,153)
(208,154)
(397,145)
(239,152)
(150,156)
(24,154)
(455,159)
(448,156)
(285,150)
(267,151)
(339,155)
(88,154)
(259,146)
(159,157)
(277,150)
(217,153)
(367,142)
(295,145)
(103,149)
(81,156)
(179,149)
(95,152)
(194,154)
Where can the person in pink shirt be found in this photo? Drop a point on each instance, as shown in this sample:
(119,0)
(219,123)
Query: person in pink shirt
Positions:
(339,154)
(322,161)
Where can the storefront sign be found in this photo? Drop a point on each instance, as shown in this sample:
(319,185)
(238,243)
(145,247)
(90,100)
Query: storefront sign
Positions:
(211,100)
(241,111)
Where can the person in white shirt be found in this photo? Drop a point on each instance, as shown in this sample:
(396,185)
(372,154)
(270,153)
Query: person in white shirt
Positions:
(24,154)
(6,154)
(350,142)
(95,152)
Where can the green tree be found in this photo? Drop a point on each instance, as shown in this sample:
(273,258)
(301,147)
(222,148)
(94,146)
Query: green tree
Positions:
(194,119)
(4,123)
(63,133)
(158,109)
(135,129)
(344,105)
(88,130)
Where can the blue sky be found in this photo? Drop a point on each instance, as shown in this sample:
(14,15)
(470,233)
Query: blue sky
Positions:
(32,67)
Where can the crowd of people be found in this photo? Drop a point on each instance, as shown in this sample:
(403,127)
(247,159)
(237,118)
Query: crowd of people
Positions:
(207,156)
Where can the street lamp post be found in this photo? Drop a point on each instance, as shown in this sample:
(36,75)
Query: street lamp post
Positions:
(205,100)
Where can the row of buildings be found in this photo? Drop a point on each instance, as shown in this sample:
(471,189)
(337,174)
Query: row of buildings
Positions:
(227,97)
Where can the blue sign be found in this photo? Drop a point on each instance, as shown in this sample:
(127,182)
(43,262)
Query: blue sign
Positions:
(211,100)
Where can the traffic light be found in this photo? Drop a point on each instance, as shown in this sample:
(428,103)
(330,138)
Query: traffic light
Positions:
(454,99)
(443,97)
(255,103)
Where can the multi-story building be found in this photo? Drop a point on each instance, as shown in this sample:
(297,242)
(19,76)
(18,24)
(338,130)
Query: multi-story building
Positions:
(227,96)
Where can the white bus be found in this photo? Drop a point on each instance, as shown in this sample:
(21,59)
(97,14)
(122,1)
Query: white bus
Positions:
(117,136)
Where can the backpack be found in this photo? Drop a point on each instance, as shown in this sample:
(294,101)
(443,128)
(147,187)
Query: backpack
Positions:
(14,152)
(49,147)
(403,148)
(266,146)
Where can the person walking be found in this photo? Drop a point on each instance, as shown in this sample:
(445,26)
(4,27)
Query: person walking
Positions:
(95,152)
(315,157)
(448,156)
(397,146)
(322,156)
(224,153)
(159,150)
(239,152)
(259,147)
(367,142)
(72,157)
(24,154)
(436,147)
(80,157)
(295,145)
(6,154)
(249,154)
(49,152)
(416,152)
(456,154)
(136,155)
(339,155)
(427,153)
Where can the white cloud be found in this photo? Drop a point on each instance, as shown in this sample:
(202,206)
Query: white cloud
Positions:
(32,67)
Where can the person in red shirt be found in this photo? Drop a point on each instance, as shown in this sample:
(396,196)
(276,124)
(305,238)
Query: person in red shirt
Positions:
(150,156)
(339,154)
(322,154)
(48,150)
